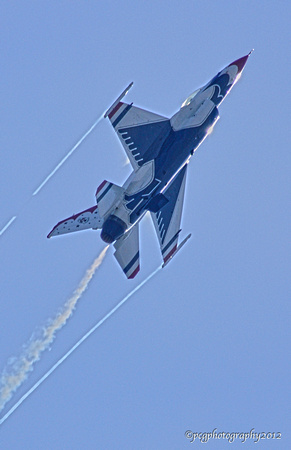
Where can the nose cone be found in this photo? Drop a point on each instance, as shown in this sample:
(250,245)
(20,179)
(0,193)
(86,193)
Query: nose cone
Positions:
(240,63)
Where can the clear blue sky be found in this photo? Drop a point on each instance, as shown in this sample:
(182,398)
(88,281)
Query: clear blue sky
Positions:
(204,344)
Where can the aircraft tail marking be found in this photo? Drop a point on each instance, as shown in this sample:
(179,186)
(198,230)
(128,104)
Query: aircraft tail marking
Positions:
(107,195)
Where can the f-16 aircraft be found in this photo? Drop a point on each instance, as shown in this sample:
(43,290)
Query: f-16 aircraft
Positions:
(159,150)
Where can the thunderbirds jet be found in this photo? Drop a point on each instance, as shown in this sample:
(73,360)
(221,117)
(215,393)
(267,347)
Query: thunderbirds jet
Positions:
(159,150)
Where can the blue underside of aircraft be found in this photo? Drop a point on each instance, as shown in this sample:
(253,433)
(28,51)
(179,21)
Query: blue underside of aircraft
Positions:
(170,152)
(158,149)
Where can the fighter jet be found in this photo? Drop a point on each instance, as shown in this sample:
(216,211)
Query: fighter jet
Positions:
(159,150)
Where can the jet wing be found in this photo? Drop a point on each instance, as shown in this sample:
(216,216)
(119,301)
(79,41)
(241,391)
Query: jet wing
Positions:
(137,130)
(167,220)
(127,252)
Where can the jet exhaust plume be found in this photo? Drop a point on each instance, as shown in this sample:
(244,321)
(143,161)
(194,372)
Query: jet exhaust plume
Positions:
(67,155)
(63,358)
(17,369)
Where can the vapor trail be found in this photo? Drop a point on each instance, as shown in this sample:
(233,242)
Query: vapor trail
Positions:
(67,155)
(7,225)
(13,376)
(56,168)
(61,360)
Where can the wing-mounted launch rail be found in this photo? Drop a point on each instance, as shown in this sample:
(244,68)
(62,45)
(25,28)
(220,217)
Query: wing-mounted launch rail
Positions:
(178,248)
(118,100)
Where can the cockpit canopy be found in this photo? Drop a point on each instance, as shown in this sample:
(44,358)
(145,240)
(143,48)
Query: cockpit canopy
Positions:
(190,98)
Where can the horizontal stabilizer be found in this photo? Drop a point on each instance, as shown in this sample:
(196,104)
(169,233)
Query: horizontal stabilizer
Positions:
(84,220)
(167,221)
(107,196)
(127,252)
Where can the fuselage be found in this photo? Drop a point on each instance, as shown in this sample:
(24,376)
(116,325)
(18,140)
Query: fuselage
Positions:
(173,152)
(158,149)
(177,141)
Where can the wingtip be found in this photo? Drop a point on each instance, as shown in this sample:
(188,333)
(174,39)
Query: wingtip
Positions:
(52,231)
(130,86)
(106,114)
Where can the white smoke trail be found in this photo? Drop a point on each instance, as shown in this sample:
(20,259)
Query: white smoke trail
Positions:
(67,155)
(16,373)
(61,360)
